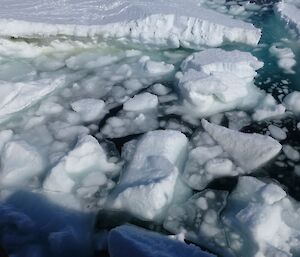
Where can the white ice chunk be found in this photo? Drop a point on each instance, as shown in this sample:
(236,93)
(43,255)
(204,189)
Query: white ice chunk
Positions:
(21,164)
(260,220)
(286,58)
(74,169)
(15,97)
(167,24)
(151,181)
(215,80)
(142,102)
(289,12)
(129,240)
(292,102)
(268,108)
(139,115)
(89,109)
(277,132)
(250,151)
(291,153)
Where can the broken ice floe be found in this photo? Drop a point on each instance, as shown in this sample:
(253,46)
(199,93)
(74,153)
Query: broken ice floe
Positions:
(220,152)
(214,80)
(259,219)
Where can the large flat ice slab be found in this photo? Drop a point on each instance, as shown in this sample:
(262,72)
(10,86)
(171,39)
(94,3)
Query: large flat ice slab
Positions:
(157,23)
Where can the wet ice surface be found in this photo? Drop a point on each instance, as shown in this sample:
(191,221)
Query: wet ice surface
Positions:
(154,113)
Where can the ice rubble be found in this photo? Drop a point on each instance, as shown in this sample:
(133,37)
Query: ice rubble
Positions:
(129,240)
(215,80)
(139,115)
(256,219)
(199,220)
(219,152)
(261,220)
(289,11)
(151,181)
(167,24)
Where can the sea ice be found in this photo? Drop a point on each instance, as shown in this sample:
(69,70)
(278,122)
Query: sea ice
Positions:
(215,80)
(260,220)
(85,170)
(220,152)
(286,58)
(166,24)
(129,240)
(199,220)
(289,11)
(139,115)
(292,102)
(151,181)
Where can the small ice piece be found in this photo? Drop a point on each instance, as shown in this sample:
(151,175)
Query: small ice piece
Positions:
(160,89)
(151,180)
(139,115)
(146,24)
(286,58)
(259,219)
(292,102)
(291,153)
(267,109)
(88,161)
(89,109)
(215,80)
(141,103)
(21,164)
(249,151)
(237,119)
(277,132)
(129,240)
(199,220)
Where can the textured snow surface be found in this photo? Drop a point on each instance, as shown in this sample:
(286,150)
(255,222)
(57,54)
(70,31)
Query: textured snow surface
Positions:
(128,240)
(145,23)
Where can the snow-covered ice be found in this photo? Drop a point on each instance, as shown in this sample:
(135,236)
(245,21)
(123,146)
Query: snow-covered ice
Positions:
(220,152)
(286,58)
(139,115)
(215,80)
(167,24)
(261,220)
(151,182)
(289,12)
(199,219)
(292,102)
(85,170)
